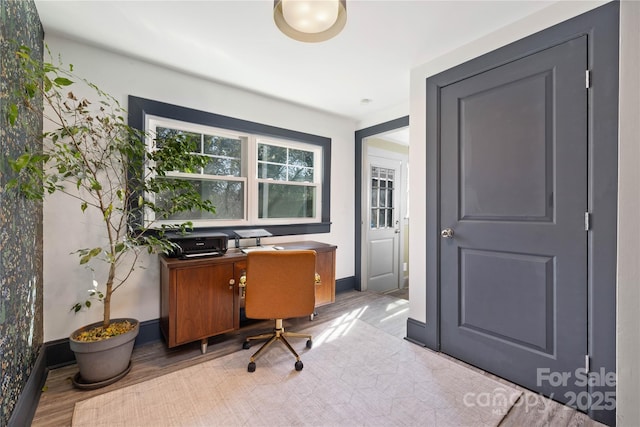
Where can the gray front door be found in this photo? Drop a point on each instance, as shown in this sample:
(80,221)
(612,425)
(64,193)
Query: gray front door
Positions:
(513,199)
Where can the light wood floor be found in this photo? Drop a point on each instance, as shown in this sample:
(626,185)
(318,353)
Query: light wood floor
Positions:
(385,312)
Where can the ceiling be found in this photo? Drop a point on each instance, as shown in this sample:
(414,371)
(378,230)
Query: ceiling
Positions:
(238,44)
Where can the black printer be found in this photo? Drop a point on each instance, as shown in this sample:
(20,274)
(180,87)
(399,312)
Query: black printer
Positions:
(198,244)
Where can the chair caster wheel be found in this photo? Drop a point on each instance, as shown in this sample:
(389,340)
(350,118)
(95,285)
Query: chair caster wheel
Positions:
(246,345)
(252,367)
(309,343)
(299,365)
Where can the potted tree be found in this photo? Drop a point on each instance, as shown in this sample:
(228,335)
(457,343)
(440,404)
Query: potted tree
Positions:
(117,172)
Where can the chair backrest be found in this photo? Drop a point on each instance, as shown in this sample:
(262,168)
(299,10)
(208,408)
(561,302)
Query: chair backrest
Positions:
(280,284)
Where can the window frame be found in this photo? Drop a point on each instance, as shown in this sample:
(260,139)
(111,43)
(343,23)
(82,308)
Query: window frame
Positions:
(152,122)
(256,181)
(141,109)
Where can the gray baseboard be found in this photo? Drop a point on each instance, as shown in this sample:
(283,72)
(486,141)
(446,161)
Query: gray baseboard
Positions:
(345,284)
(417,332)
(27,403)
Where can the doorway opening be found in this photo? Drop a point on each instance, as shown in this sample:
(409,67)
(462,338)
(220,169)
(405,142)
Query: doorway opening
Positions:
(382,225)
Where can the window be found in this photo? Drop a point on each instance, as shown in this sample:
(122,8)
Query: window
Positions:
(256,175)
(223,180)
(286,181)
(382,187)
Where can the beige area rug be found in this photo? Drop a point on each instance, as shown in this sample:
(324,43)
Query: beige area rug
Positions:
(355,374)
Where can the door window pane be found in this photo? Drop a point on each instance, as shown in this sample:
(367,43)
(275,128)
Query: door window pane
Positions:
(382,209)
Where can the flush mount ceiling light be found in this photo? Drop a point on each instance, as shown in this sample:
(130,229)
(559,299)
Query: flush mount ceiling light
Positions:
(310,21)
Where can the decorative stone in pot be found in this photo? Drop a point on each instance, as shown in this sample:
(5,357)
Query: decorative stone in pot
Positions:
(103,362)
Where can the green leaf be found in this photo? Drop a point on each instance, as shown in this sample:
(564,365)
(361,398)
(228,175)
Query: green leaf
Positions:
(21,162)
(83,206)
(88,256)
(95,251)
(23,53)
(63,81)
(88,304)
(47,84)
(13,114)
(12,183)
(31,89)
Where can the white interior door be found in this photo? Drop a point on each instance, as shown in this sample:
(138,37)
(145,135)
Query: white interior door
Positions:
(382,225)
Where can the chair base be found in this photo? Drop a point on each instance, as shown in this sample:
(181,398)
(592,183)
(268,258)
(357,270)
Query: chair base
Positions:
(278,334)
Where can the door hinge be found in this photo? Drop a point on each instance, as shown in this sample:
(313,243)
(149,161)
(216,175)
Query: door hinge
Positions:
(587,78)
(587,221)
(586,363)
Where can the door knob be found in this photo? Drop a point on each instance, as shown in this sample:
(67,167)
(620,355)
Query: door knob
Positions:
(447,233)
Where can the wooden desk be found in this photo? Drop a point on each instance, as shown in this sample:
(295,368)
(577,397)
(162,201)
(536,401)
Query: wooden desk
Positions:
(200,298)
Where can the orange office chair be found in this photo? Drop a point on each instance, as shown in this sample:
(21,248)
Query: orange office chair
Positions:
(279,285)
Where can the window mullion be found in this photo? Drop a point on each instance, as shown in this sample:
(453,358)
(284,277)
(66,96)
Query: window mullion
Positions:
(252,179)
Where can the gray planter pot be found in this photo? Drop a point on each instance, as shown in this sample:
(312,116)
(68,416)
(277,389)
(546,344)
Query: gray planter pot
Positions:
(102,361)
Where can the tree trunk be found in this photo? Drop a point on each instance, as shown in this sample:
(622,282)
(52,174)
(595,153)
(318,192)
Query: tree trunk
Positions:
(107,297)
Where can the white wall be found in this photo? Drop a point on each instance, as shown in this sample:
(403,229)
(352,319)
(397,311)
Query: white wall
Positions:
(628,334)
(66,229)
(384,115)
(628,280)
